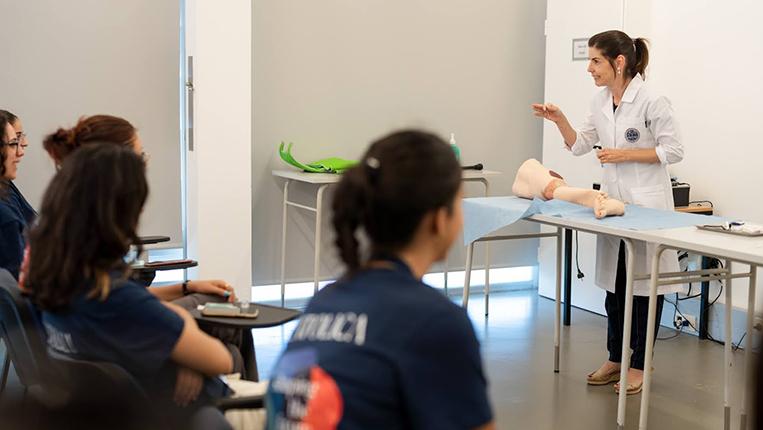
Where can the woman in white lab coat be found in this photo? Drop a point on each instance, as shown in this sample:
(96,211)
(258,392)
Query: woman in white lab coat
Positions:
(635,134)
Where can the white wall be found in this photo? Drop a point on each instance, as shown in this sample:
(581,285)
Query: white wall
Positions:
(67,59)
(331,76)
(219,169)
(569,86)
(705,56)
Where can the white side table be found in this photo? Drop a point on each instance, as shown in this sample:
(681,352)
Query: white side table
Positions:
(323,180)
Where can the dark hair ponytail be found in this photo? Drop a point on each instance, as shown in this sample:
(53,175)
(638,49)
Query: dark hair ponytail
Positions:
(641,57)
(401,178)
(614,43)
(350,203)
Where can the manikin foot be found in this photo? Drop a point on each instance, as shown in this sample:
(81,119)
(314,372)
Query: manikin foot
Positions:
(604,206)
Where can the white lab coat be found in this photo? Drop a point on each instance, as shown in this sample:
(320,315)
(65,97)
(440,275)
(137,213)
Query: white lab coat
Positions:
(642,120)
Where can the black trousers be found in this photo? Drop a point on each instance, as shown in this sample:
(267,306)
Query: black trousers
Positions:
(615,305)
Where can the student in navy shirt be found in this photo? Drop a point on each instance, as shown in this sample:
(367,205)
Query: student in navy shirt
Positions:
(16,214)
(90,310)
(111,130)
(379,349)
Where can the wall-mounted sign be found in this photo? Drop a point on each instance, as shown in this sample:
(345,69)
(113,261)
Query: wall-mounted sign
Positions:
(580,49)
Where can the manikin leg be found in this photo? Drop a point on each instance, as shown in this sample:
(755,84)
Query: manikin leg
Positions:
(534,180)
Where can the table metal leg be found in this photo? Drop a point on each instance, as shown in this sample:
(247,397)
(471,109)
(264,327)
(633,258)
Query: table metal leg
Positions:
(650,329)
(558,296)
(704,298)
(318,231)
(567,276)
(625,359)
(487,277)
(467,274)
(283,240)
(728,356)
(748,359)
(487,255)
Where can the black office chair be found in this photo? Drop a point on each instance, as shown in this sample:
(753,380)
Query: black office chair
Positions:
(104,395)
(25,348)
(79,393)
(24,341)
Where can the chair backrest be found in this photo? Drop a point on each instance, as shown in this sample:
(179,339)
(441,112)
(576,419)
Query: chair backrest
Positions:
(101,386)
(101,394)
(104,395)
(21,331)
(96,381)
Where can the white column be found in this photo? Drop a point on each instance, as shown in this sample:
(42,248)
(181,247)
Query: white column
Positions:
(219,195)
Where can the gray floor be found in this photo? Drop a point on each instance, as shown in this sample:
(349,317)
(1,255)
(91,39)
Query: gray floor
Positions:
(517,341)
(517,347)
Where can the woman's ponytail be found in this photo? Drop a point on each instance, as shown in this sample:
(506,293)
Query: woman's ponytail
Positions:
(641,57)
(349,206)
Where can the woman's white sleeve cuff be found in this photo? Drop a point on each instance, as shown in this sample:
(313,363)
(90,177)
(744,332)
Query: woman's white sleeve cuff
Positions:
(661,155)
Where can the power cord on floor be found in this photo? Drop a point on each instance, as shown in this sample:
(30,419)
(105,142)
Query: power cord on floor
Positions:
(580,275)
(678,330)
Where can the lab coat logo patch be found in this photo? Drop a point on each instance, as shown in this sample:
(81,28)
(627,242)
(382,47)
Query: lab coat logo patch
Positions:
(632,135)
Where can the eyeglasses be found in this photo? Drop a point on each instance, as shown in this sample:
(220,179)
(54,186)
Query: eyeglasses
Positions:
(17,145)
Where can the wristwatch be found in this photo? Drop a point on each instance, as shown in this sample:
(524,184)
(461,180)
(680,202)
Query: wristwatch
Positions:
(185,287)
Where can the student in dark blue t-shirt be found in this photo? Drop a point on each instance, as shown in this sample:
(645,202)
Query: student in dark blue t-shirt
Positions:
(379,349)
(78,278)
(113,130)
(16,214)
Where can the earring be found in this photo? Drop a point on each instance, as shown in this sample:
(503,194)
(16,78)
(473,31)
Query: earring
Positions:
(619,71)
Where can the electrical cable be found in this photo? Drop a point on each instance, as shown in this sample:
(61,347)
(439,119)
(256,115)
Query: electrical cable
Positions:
(580,275)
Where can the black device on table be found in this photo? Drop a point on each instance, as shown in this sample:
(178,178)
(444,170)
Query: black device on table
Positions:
(680,193)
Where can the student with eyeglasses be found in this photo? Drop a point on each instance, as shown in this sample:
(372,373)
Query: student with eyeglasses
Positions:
(16,214)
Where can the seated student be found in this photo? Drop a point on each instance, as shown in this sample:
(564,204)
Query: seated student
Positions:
(90,308)
(107,129)
(379,348)
(100,129)
(16,214)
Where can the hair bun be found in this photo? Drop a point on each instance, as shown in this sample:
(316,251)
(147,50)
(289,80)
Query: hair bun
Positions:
(60,143)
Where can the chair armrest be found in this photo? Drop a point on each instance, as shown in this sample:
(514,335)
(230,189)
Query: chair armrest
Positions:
(245,402)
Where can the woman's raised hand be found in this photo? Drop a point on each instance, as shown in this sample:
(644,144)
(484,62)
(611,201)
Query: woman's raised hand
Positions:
(547,110)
